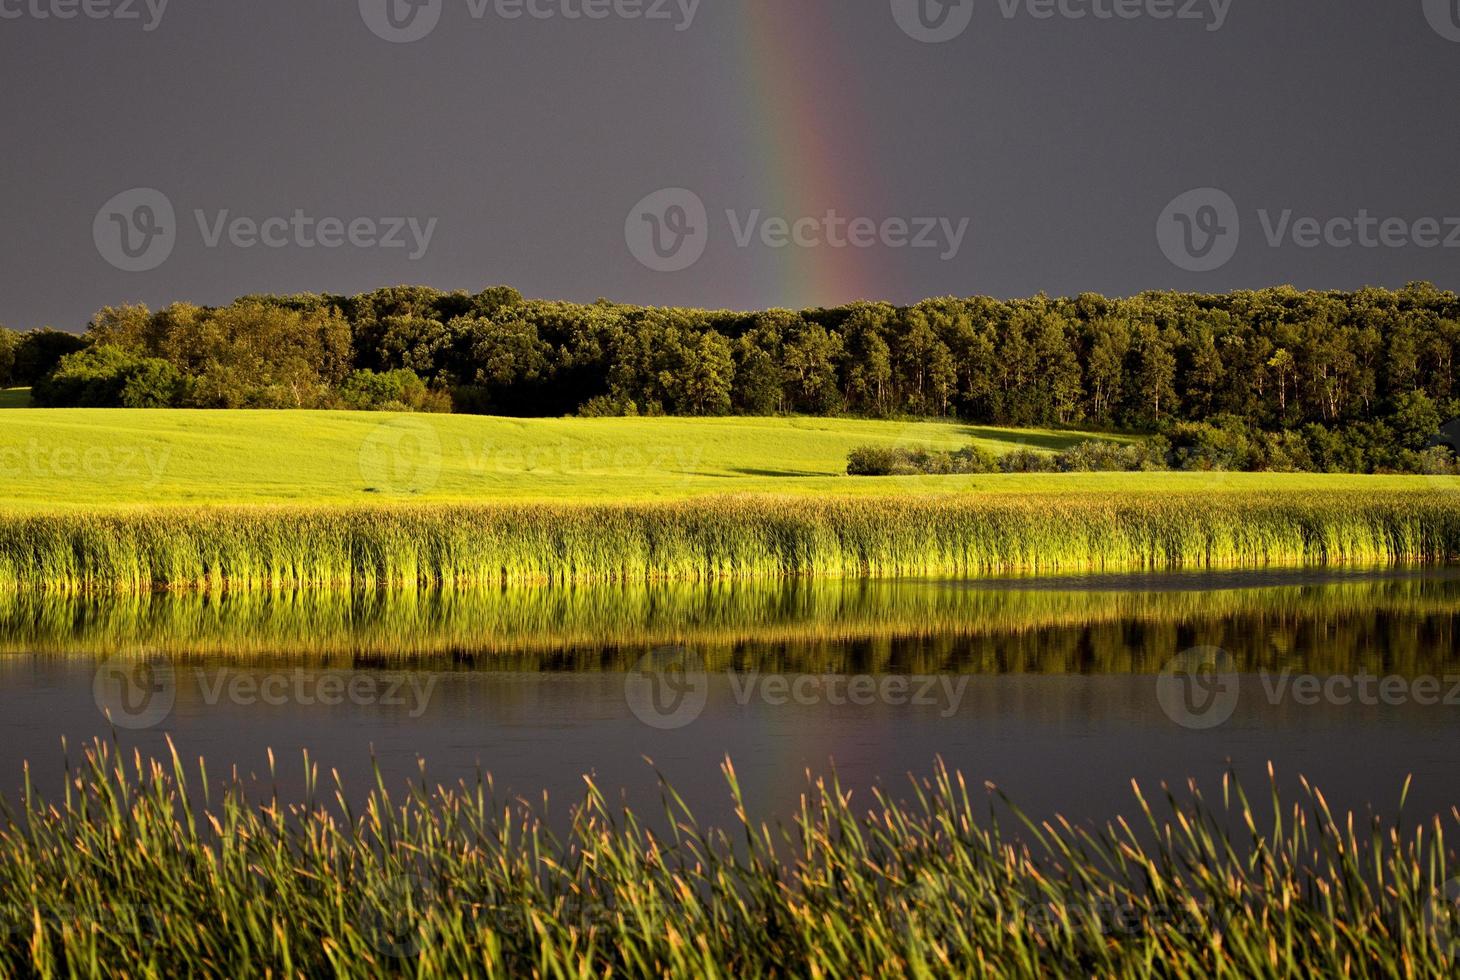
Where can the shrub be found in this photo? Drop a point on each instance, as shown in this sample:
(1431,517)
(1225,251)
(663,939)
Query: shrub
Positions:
(1222,444)
(9,341)
(1027,461)
(875,461)
(900,461)
(38,352)
(607,407)
(391,391)
(104,376)
(1109,457)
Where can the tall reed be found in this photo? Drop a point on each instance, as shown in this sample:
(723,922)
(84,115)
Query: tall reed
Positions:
(140,870)
(713,538)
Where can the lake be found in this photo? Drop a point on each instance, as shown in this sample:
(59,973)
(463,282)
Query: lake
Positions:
(1058,690)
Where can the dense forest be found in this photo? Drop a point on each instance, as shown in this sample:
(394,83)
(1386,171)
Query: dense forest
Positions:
(1284,378)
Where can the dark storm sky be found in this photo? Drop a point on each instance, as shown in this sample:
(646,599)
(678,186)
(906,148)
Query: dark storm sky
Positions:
(529,141)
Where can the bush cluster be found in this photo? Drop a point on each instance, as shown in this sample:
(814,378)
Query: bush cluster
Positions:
(1086,457)
(897,461)
(1227,444)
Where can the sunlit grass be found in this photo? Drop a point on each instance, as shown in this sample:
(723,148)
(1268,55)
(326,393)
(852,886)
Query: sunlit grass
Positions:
(715,538)
(98,458)
(145,869)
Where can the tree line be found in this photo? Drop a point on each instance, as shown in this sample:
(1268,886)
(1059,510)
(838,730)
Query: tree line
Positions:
(1269,361)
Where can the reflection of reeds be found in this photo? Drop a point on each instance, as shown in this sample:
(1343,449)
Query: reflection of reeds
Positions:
(126,877)
(1401,624)
(707,539)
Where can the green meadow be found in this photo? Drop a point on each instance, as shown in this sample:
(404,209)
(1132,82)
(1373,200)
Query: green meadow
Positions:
(97,459)
(138,500)
(101,457)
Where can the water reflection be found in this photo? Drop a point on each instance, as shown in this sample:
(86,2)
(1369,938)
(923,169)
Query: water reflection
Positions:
(1054,694)
(1394,621)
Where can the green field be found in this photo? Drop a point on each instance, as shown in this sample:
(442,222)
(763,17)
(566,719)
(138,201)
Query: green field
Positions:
(101,458)
(139,500)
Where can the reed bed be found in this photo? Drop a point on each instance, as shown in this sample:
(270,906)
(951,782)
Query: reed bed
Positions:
(141,870)
(714,538)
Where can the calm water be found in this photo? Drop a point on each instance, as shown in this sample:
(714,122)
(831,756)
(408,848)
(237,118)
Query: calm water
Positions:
(1052,689)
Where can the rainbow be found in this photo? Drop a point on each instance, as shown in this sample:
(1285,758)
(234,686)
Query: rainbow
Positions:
(806,154)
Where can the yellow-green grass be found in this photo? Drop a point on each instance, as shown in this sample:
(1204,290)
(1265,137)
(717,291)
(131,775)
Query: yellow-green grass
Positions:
(714,538)
(147,869)
(14,397)
(139,500)
(94,459)
(90,459)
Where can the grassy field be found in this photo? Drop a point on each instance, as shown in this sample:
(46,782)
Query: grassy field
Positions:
(137,500)
(90,458)
(949,881)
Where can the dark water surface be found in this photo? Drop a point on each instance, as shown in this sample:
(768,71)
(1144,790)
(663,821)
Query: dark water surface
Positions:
(1050,688)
